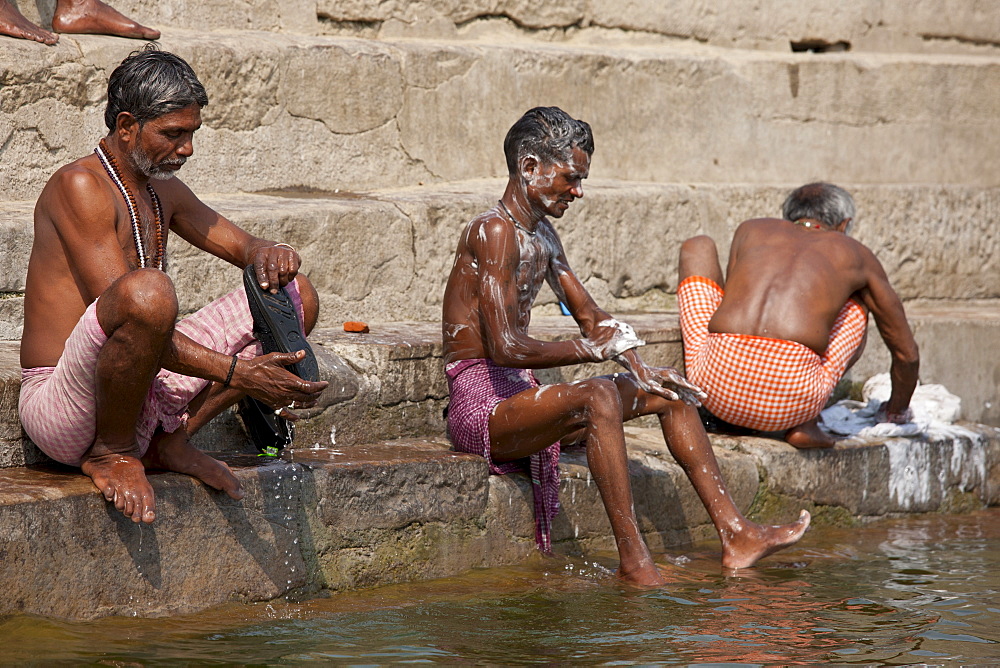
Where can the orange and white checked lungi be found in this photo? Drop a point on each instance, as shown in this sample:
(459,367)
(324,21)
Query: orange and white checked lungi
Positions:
(755,381)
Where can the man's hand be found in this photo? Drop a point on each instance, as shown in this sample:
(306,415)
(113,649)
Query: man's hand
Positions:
(895,417)
(610,338)
(275,266)
(665,382)
(266,378)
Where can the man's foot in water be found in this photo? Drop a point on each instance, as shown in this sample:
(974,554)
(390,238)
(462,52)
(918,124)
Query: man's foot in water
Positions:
(122,481)
(646,575)
(13,24)
(751,542)
(96,18)
(172,452)
(809,435)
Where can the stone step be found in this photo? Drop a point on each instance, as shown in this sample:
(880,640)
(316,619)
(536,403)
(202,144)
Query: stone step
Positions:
(328,520)
(781,25)
(385,255)
(392,113)
(390,382)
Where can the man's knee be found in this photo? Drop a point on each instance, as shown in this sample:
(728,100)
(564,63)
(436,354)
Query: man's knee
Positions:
(600,400)
(699,246)
(699,257)
(310,301)
(144,297)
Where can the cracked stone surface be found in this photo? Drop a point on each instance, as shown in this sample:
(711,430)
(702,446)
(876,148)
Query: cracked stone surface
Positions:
(919,26)
(385,256)
(922,26)
(54,522)
(400,112)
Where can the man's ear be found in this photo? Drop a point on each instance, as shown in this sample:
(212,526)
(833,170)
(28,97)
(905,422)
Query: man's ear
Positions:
(529,165)
(127,127)
(844,225)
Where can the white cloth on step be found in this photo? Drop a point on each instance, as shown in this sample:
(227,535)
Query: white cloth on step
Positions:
(934,408)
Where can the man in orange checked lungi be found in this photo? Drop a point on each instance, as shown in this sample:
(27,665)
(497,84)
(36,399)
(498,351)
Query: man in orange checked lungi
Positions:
(769,341)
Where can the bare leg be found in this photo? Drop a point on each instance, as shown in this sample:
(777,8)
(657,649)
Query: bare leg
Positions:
(809,435)
(96,18)
(137,312)
(534,419)
(743,542)
(700,257)
(174,452)
(310,302)
(13,24)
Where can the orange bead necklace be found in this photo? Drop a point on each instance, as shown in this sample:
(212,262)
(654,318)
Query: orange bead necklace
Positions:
(111,167)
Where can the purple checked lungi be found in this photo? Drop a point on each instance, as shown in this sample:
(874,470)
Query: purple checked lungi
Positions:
(476,386)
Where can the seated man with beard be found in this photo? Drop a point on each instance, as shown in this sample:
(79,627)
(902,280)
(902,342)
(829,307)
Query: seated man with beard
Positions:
(109,383)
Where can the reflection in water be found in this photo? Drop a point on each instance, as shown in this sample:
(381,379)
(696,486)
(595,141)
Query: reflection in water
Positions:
(921,590)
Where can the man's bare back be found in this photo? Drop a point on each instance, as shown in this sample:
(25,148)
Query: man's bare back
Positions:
(790,280)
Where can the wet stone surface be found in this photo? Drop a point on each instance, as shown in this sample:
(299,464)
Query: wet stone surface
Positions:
(407,510)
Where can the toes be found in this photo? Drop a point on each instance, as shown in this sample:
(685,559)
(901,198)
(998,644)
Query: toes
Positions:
(129,508)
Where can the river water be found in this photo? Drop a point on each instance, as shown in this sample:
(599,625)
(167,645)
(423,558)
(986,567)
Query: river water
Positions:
(922,590)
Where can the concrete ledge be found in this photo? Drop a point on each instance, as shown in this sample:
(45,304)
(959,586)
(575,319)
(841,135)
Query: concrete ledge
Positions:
(410,510)
(67,553)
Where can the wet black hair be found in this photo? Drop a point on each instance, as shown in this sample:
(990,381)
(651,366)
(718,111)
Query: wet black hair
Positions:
(548,133)
(151,83)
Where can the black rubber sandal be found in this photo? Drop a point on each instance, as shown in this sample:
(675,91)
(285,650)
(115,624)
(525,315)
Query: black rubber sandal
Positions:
(276,325)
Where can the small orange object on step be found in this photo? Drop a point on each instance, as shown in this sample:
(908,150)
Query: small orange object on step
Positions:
(357,327)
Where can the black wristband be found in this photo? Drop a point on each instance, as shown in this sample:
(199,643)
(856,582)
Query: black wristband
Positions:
(232,368)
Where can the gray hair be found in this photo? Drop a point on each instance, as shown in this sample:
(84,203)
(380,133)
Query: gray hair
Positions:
(151,83)
(548,133)
(824,202)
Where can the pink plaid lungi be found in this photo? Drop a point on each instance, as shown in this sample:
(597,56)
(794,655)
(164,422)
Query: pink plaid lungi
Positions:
(58,405)
(755,381)
(475,387)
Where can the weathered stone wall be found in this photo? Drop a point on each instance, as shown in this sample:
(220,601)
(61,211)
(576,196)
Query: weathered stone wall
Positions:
(387,257)
(874,25)
(390,114)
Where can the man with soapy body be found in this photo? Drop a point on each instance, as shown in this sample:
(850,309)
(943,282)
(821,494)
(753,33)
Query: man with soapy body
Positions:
(498,410)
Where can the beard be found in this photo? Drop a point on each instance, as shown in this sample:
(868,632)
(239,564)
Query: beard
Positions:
(152,170)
